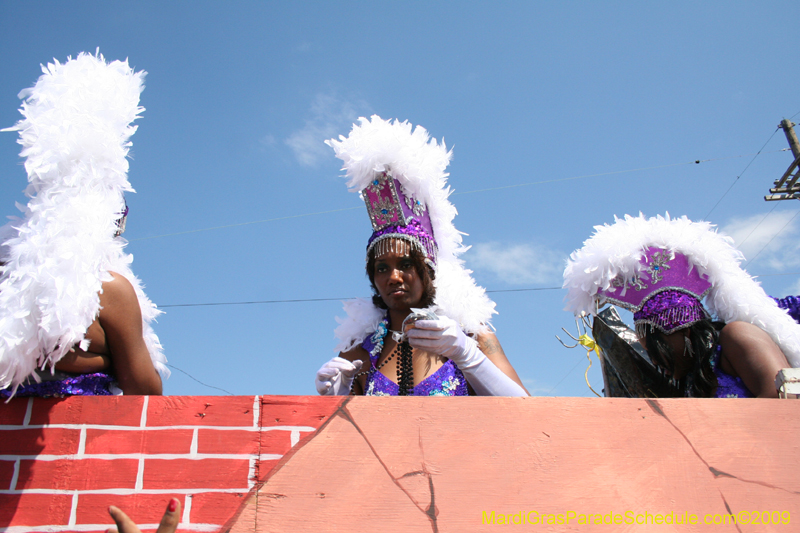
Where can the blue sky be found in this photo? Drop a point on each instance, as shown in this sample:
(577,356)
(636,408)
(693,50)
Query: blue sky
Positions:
(561,115)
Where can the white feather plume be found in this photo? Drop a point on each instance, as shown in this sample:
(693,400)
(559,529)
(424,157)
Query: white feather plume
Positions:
(616,250)
(75,137)
(419,163)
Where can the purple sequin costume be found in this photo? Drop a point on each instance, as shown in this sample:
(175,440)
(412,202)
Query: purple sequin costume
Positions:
(97,384)
(446,381)
(728,386)
(792,306)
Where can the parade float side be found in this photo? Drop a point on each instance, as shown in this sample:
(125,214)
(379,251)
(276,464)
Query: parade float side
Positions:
(296,463)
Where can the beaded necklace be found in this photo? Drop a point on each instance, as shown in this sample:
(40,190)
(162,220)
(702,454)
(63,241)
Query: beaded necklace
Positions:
(405,370)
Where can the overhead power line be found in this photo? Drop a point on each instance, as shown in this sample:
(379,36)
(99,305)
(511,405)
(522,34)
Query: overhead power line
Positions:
(742,172)
(305,300)
(502,187)
(326,299)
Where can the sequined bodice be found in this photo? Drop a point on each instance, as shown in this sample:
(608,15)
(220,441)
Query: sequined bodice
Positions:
(98,384)
(728,386)
(446,381)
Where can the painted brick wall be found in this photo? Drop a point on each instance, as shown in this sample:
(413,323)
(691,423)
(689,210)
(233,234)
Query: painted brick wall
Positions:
(64,461)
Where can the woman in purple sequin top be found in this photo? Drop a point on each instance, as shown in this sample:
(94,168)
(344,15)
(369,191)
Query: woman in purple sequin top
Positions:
(402,280)
(705,359)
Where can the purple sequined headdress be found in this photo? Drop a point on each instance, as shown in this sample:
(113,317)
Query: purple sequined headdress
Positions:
(397,215)
(661,268)
(666,291)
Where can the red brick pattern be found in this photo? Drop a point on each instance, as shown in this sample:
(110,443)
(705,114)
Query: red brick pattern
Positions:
(64,461)
(174,441)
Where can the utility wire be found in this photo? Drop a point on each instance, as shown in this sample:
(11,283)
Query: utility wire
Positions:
(325,299)
(197,380)
(742,173)
(245,223)
(565,376)
(772,239)
(556,180)
(739,245)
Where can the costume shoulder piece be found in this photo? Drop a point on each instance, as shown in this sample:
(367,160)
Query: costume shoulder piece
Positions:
(400,172)
(655,266)
(75,136)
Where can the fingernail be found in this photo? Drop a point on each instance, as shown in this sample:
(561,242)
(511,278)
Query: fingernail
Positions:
(173,504)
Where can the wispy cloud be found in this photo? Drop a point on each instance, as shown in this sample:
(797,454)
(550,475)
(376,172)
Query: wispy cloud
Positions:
(330,116)
(517,264)
(769,242)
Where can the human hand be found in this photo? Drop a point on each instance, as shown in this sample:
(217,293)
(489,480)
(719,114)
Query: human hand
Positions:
(336,376)
(169,522)
(444,337)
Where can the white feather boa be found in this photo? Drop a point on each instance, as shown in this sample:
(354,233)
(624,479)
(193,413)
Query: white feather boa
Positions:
(419,163)
(616,249)
(75,138)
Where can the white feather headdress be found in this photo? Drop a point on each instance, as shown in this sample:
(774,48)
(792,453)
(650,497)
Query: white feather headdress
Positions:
(616,250)
(419,163)
(75,138)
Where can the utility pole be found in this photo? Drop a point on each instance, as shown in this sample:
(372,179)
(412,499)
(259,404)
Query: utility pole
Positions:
(787,188)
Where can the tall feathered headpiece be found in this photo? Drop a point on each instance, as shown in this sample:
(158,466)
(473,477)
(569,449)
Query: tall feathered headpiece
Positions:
(656,267)
(400,173)
(75,138)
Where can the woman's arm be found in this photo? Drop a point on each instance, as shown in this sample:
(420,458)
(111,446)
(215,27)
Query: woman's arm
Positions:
(444,337)
(79,362)
(490,346)
(121,320)
(750,353)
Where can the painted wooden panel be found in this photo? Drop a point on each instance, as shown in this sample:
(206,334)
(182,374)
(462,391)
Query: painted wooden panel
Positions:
(271,463)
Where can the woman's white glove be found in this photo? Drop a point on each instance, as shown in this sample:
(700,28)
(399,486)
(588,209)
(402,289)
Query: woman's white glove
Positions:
(444,337)
(336,376)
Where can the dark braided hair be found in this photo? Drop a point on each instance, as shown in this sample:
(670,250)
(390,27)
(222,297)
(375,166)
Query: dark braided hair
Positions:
(700,381)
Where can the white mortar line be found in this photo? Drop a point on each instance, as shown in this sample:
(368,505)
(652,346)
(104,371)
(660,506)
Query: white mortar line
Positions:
(295,437)
(14,476)
(251,473)
(28,411)
(73,510)
(162,456)
(193,446)
(187,509)
(104,527)
(256,411)
(143,420)
(140,475)
(155,428)
(81,444)
(128,492)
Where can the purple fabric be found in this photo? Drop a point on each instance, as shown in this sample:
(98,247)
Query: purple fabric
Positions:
(661,271)
(670,311)
(728,386)
(80,385)
(446,381)
(792,306)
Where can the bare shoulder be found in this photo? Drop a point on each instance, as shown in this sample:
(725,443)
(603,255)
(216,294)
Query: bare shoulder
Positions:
(118,289)
(750,353)
(745,335)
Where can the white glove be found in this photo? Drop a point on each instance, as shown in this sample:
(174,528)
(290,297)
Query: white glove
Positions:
(444,337)
(336,376)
